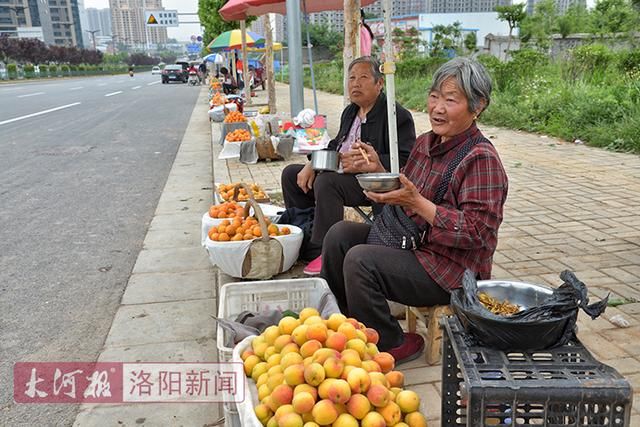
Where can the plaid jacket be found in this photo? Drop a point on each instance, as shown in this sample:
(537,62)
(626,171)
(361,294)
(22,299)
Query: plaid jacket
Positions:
(464,233)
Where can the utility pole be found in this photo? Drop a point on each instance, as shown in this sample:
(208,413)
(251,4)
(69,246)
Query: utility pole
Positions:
(93,36)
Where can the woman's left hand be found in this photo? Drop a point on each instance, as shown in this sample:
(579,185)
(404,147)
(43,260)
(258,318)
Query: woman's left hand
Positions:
(406,196)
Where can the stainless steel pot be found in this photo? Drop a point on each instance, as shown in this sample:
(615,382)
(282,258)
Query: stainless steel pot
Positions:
(325,160)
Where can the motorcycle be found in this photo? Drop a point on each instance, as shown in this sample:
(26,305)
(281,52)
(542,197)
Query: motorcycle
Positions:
(193,78)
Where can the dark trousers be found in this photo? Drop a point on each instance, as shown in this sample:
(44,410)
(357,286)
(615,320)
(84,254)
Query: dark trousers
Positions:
(331,193)
(363,277)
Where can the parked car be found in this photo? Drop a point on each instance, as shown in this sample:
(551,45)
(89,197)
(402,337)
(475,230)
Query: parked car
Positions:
(156,70)
(174,73)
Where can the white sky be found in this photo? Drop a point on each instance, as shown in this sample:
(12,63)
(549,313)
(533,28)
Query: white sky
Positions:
(183,32)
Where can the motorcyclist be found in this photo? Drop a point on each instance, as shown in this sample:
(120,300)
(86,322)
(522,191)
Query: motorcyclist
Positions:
(131,70)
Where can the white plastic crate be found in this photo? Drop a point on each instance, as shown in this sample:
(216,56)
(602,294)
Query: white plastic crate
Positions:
(286,294)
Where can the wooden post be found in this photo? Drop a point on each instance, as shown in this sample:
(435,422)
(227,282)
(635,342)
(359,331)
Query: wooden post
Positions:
(245,64)
(268,65)
(351,34)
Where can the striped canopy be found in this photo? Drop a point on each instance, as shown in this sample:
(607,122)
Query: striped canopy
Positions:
(231,40)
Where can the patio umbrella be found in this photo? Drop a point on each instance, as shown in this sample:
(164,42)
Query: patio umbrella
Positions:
(236,10)
(232,40)
(216,58)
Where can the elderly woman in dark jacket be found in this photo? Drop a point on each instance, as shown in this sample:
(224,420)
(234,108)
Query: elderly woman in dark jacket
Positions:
(460,224)
(363,122)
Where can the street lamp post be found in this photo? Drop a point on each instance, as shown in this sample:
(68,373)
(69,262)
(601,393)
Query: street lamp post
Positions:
(93,36)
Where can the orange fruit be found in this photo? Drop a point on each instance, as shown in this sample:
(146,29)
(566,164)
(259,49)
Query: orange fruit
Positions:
(273,230)
(213,232)
(285,230)
(226,222)
(231,230)
(222,228)
(256,231)
(236,238)
(213,212)
(248,237)
(224,237)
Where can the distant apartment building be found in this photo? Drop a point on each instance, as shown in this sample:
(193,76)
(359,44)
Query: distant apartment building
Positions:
(464,6)
(335,19)
(65,22)
(128,23)
(561,5)
(99,19)
(26,19)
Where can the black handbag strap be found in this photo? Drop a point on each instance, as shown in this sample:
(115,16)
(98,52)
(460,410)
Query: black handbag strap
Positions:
(448,174)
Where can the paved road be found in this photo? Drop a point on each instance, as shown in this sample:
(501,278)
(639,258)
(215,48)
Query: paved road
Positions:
(82,165)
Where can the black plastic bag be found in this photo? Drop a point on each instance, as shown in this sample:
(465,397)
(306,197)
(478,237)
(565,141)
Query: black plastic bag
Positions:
(549,324)
(302,218)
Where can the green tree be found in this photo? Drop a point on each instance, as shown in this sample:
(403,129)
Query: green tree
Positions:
(539,27)
(471,41)
(322,35)
(446,38)
(211,20)
(407,42)
(513,15)
(614,16)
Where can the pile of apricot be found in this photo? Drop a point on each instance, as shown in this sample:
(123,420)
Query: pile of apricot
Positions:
(239,229)
(238,135)
(235,117)
(226,210)
(226,192)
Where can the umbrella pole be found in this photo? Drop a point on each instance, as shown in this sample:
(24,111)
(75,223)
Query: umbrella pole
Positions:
(389,69)
(351,20)
(268,60)
(294,39)
(245,63)
(313,77)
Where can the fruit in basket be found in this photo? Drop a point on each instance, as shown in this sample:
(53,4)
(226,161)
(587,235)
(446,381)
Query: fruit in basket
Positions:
(235,117)
(226,210)
(309,373)
(238,229)
(218,99)
(238,135)
(226,192)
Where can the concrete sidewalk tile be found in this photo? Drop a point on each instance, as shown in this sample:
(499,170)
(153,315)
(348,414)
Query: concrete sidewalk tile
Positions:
(149,414)
(422,374)
(163,287)
(177,221)
(171,260)
(162,239)
(626,365)
(602,347)
(162,322)
(200,350)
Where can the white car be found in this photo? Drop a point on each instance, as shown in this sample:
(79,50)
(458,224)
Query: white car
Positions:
(156,70)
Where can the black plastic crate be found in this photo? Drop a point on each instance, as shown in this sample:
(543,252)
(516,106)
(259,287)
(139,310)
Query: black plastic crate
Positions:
(560,387)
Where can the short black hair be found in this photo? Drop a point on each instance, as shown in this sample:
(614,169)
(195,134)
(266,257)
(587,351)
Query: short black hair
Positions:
(223,70)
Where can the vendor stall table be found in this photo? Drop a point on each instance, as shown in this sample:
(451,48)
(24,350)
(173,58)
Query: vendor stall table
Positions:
(563,386)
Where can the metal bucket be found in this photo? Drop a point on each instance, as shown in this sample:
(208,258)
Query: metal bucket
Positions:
(325,160)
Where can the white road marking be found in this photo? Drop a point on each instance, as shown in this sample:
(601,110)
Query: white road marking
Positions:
(102,84)
(30,94)
(136,87)
(113,93)
(39,113)
(153,83)
(77,88)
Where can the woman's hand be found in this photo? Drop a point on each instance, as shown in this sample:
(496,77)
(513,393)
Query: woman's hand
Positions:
(406,196)
(361,158)
(305,178)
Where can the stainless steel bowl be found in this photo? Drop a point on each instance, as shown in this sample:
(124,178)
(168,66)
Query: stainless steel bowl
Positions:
(379,182)
(325,160)
(526,295)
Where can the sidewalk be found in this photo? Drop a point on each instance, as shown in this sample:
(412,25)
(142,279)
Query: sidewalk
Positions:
(569,207)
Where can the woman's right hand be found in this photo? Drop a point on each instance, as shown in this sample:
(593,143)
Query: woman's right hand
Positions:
(306,177)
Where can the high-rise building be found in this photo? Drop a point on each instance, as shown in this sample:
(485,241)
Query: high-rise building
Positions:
(464,6)
(32,16)
(65,21)
(128,23)
(99,19)
(561,5)
(334,19)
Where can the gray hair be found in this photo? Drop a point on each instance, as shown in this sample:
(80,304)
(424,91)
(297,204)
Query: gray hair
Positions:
(472,78)
(373,63)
